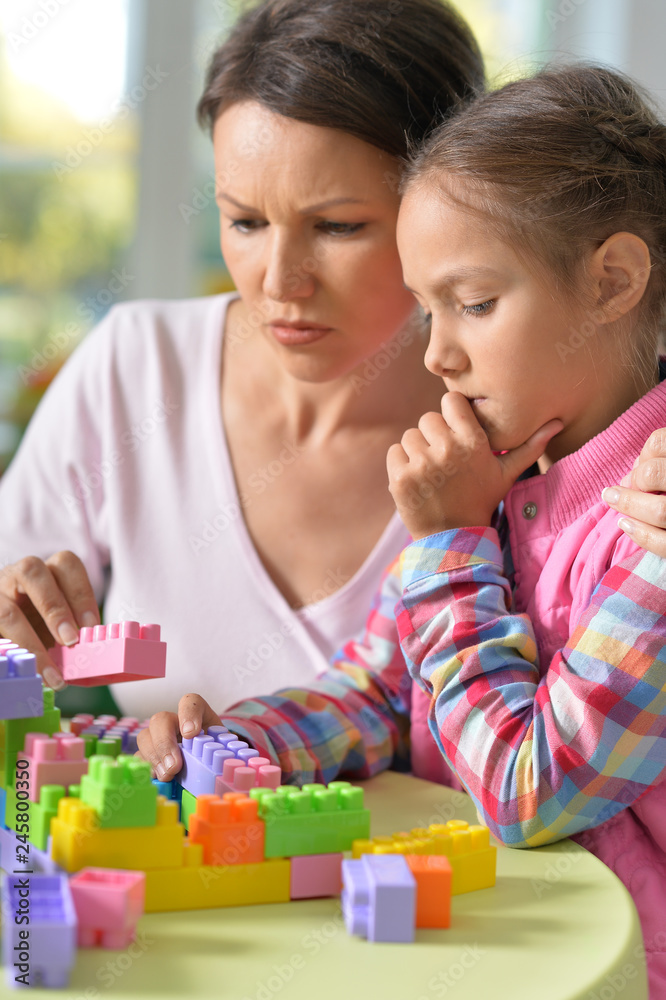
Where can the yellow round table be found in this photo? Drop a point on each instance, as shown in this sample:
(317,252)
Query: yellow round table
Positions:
(557,926)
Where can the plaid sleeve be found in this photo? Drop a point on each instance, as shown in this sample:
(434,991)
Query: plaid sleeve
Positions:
(544,754)
(353,720)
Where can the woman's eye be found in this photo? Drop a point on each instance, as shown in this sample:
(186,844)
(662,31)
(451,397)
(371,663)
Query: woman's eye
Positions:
(341,228)
(481,309)
(246,225)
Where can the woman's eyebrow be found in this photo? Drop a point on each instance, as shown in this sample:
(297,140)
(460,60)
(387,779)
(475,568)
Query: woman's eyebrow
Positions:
(309,210)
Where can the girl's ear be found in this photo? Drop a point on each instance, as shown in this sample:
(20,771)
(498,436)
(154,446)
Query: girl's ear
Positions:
(620,270)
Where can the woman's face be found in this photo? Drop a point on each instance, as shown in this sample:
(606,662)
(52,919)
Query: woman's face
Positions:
(308,232)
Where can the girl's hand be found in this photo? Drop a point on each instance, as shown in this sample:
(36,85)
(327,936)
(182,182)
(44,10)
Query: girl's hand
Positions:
(159,742)
(638,496)
(444,475)
(46,601)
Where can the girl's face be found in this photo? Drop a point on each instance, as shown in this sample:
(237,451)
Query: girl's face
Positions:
(500,335)
(308,220)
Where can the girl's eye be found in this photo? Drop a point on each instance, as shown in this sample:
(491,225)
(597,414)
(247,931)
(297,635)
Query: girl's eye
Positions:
(340,228)
(246,225)
(482,309)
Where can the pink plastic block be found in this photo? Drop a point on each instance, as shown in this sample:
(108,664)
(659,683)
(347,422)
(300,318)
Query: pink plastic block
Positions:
(108,903)
(20,685)
(315,875)
(107,654)
(80,722)
(54,760)
(241,776)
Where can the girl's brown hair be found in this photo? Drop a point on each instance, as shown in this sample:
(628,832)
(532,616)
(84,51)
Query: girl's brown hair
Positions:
(559,163)
(382,70)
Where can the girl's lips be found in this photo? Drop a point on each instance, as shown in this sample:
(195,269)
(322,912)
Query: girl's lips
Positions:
(296,336)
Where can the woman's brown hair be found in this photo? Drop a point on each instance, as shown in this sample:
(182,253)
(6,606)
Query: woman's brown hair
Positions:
(558,163)
(384,71)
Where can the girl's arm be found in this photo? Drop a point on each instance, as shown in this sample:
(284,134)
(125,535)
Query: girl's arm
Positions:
(542,758)
(353,720)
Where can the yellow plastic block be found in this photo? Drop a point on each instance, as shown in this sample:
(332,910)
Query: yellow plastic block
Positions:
(473,860)
(198,887)
(79,842)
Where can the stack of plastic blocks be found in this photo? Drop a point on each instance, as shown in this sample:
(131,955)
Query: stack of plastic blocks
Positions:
(14,731)
(387,896)
(20,686)
(473,860)
(42,951)
(107,734)
(108,904)
(108,654)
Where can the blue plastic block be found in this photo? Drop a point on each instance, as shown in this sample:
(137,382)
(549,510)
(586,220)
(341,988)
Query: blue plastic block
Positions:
(53,926)
(20,685)
(379,898)
(204,757)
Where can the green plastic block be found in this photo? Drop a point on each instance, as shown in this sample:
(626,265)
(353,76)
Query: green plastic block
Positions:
(13,733)
(120,791)
(188,806)
(42,812)
(315,819)
(109,746)
(90,741)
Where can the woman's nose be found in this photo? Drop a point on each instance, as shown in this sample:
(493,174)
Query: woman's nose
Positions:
(287,275)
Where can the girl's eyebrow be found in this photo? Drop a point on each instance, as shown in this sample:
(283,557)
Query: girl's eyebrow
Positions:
(309,210)
(460,274)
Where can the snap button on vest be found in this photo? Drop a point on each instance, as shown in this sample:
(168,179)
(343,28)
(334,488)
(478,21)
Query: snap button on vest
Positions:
(529,511)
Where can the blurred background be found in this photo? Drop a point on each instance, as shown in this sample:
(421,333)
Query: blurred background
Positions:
(106,183)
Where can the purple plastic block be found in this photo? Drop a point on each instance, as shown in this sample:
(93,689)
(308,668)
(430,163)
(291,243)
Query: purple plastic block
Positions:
(20,685)
(204,757)
(52,930)
(35,860)
(379,898)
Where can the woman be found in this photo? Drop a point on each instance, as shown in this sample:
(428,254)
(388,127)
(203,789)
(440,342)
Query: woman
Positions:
(218,465)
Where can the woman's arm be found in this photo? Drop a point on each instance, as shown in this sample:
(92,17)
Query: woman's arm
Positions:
(543,757)
(354,720)
(639,498)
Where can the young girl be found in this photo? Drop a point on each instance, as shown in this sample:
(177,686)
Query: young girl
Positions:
(533,232)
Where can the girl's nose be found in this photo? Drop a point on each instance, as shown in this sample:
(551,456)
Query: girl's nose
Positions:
(443,356)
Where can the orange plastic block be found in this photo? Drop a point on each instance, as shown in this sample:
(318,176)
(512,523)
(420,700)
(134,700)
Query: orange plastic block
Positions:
(229,829)
(77,841)
(198,887)
(433,875)
(473,860)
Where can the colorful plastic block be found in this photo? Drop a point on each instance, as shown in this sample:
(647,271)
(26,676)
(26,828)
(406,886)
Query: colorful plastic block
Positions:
(314,875)
(108,904)
(240,776)
(39,814)
(473,860)
(197,887)
(228,829)
(314,819)
(20,685)
(78,842)
(14,731)
(204,756)
(3,805)
(53,760)
(432,873)
(188,806)
(17,856)
(379,898)
(108,654)
(51,937)
(120,791)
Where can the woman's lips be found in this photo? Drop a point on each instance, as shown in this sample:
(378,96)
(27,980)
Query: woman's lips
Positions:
(296,336)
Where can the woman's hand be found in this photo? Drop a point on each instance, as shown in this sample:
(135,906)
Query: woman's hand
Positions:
(159,742)
(444,475)
(42,602)
(639,497)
